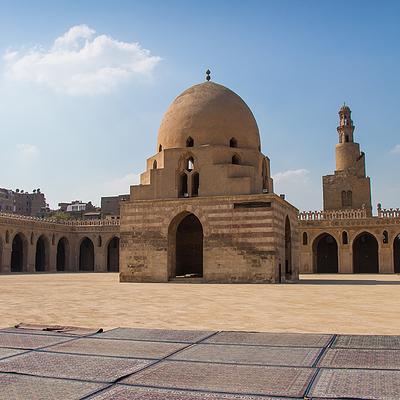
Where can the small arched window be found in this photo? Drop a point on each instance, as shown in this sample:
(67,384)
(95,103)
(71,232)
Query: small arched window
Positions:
(189,142)
(7,236)
(155,164)
(233,142)
(345,238)
(305,239)
(385,237)
(344,198)
(236,159)
(346,138)
(160,147)
(99,241)
(195,184)
(190,164)
(349,198)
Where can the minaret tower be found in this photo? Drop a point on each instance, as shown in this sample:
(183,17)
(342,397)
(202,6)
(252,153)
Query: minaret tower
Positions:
(349,187)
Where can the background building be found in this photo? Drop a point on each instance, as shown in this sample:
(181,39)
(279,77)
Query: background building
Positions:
(23,203)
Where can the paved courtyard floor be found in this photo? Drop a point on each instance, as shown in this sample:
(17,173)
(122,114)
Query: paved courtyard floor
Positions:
(146,364)
(351,304)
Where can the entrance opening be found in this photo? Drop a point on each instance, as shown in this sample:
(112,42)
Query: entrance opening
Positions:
(86,255)
(183,186)
(18,255)
(113,255)
(326,254)
(186,247)
(62,254)
(288,247)
(41,258)
(365,254)
(396,254)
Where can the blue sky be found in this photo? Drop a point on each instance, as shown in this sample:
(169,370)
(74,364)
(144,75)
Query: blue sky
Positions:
(80,125)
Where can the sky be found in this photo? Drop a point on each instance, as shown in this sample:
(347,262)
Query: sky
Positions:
(84,85)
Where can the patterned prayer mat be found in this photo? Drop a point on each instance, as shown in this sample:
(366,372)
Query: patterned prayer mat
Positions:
(367,342)
(356,384)
(23,341)
(286,356)
(360,358)
(22,387)
(4,352)
(157,335)
(243,379)
(271,339)
(139,393)
(92,368)
(119,348)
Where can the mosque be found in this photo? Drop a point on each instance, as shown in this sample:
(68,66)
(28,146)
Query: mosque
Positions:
(205,211)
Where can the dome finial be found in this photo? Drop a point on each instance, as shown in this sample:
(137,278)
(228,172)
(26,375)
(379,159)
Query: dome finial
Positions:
(208,77)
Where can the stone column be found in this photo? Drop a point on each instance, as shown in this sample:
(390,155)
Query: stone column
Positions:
(30,257)
(5,261)
(345,259)
(386,265)
(52,267)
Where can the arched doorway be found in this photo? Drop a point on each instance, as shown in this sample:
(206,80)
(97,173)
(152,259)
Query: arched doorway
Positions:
(42,256)
(113,255)
(396,254)
(185,247)
(86,255)
(365,254)
(62,254)
(18,254)
(288,247)
(325,254)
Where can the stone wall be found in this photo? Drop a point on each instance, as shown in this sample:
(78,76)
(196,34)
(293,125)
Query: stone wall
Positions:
(100,233)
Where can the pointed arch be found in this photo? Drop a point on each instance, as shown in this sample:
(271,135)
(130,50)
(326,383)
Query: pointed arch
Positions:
(113,255)
(396,254)
(185,246)
(62,258)
(42,256)
(305,239)
(86,255)
(325,254)
(19,253)
(288,247)
(155,164)
(365,254)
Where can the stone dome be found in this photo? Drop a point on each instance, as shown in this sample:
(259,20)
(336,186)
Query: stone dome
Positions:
(210,114)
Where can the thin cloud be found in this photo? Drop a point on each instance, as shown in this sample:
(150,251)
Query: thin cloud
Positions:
(81,63)
(291,176)
(396,149)
(27,152)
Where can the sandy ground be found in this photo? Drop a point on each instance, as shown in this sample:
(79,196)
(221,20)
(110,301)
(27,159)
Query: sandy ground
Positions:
(368,304)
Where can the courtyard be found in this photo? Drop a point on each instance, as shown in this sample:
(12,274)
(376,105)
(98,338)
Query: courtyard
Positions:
(345,304)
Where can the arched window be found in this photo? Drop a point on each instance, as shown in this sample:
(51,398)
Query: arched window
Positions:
(344,198)
(189,142)
(305,239)
(233,142)
(235,159)
(349,198)
(155,164)
(345,238)
(190,164)
(346,138)
(385,239)
(195,184)
(183,185)
(160,147)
